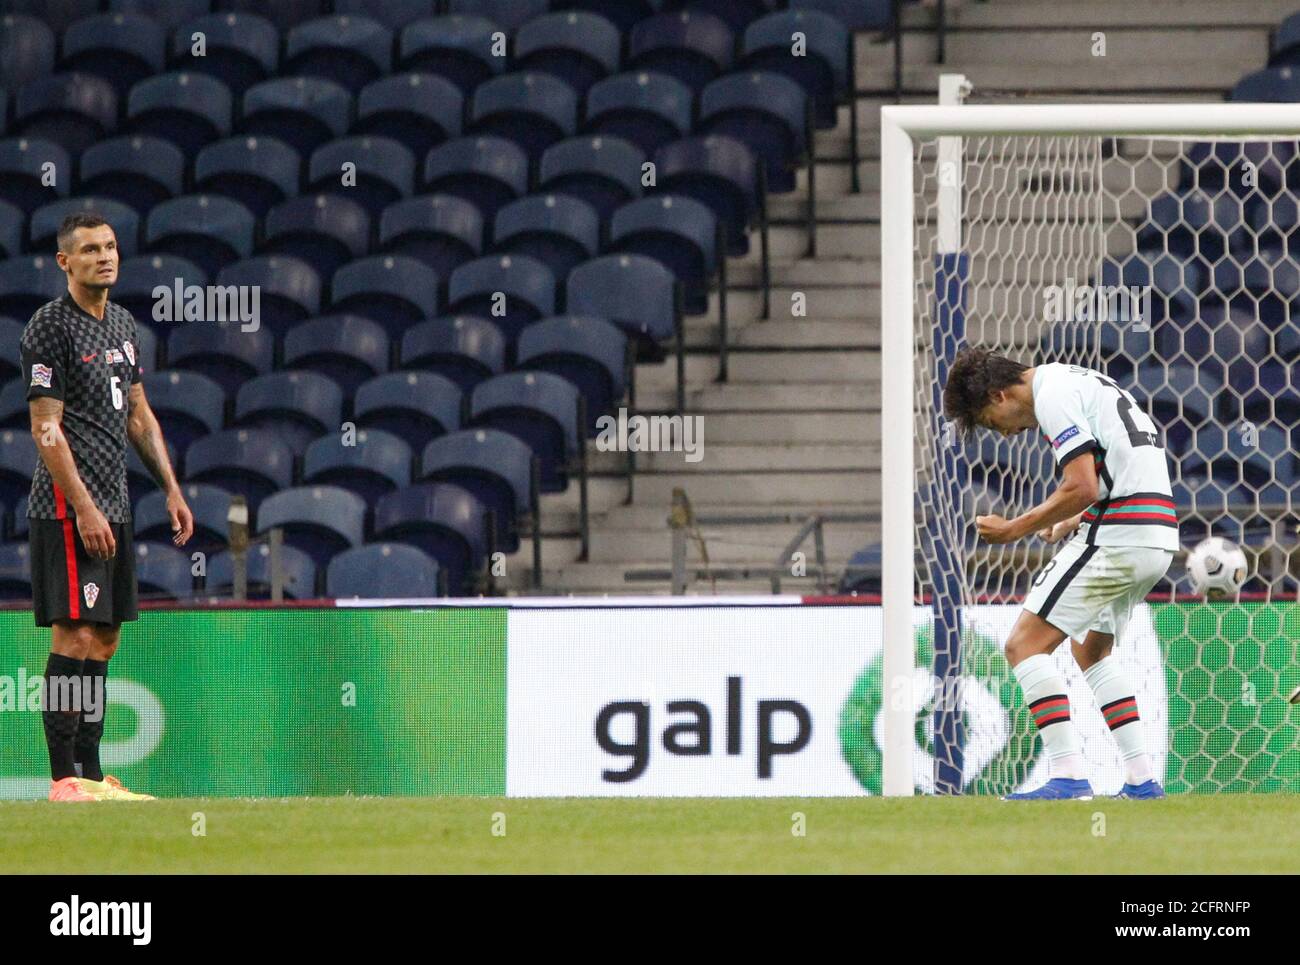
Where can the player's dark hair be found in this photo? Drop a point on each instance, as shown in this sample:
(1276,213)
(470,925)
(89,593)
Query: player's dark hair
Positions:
(78,219)
(975,375)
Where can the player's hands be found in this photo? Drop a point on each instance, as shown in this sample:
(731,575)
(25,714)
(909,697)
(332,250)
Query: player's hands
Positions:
(994,529)
(182,519)
(95,532)
(1059,531)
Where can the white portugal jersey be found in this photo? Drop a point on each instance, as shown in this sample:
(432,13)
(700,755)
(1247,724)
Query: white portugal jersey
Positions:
(1082,413)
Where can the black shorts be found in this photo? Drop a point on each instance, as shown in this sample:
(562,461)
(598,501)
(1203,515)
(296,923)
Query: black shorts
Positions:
(68,584)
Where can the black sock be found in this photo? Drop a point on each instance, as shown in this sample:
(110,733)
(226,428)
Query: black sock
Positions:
(60,724)
(86,747)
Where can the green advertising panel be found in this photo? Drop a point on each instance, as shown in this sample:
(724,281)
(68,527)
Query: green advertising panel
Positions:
(285,702)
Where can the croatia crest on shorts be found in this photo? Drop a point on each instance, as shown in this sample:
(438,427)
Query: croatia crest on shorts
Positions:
(130,352)
(91,592)
(41,375)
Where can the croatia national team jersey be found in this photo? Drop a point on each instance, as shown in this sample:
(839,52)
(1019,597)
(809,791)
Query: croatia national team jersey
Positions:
(1082,413)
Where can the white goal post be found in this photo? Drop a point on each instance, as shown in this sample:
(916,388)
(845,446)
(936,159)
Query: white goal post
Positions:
(902,128)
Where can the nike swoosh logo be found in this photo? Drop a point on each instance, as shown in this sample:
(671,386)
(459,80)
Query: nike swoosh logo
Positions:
(90,357)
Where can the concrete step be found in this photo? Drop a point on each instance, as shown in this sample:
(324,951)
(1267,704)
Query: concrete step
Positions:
(1208,79)
(754,545)
(860,396)
(1114,14)
(774,489)
(803,273)
(777,427)
(853,367)
(825,304)
(799,333)
(723,456)
(645,515)
(1071,46)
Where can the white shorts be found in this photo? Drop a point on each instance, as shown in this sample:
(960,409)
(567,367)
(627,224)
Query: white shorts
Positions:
(1095,587)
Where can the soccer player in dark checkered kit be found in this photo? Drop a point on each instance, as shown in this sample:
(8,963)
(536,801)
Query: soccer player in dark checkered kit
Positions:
(80,360)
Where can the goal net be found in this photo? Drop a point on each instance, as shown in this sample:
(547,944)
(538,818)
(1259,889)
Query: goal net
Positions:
(1170,261)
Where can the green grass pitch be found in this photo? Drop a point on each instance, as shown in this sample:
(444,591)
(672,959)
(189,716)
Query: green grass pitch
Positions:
(1189,834)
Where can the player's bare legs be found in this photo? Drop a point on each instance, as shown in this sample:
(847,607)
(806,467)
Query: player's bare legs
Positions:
(1116,698)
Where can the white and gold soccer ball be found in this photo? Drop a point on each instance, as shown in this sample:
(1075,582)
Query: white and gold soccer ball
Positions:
(1217,567)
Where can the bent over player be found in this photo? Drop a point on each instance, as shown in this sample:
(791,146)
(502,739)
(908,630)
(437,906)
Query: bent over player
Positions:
(80,360)
(1114,497)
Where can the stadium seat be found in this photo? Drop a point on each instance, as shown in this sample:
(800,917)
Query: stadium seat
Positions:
(258,172)
(578,47)
(679,233)
(349,49)
(304,112)
(188,109)
(26,50)
(537,407)
(348,349)
(557,230)
(58,15)
(14,411)
(72,110)
(420,111)
(854,14)
(285,14)
(528,288)
(457,48)
(28,282)
(290,289)
(528,108)
(823,68)
(163,572)
(18,460)
(121,48)
(297,569)
(319,520)
(298,407)
(414,406)
(766,111)
(1270,85)
(605,172)
(12,220)
(44,228)
(373,463)
(239,49)
(393,14)
(169,14)
(139,277)
(207,229)
(636,293)
(137,171)
(25,164)
(378,171)
(139,477)
(245,462)
(587,352)
(11,333)
(444,521)
(209,504)
(1214,165)
(440,230)
(737,14)
(1268,282)
(1192,223)
(645,108)
(188,405)
(488,172)
(692,47)
(720,172)
(393,290)
(221,351)
(508,14)
(382,571)
(464,348)
(15,571)
(324,230)
(495,466)
(1179,398)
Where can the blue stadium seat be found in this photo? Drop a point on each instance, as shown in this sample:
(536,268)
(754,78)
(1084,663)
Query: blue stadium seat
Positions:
(531,109)
(557,230)
(24,167)
(414,406)
(1269,282)
(720,172)
(382,571)
(304,112)
(528,286)
(18,460)
(578,47)
(290,288)
(188,109)
(285,14)
(298,573)
(26,50)
(324,230)
(258,172)
(298,407)
(823,69)
(458,48)
(58,15)
(493,465)
(11,332)
(392,290)
(679,233)
(163,572)
(12,220)
(854,14)
(605,172)
(44,228)
(15,571)
(692,47)
(624,14)
(245,462)
(647,109)
(137,171)
(381,170)
(509,14)
(239,49)
(440,230)
(188,405)
(1192,223)
(348,49)
(139,478)
(1214,165)
(862,572)
(393,14)
(419,110)
(737,14)
(1276,224)
(208,229)
(347,349)
(588,352)
(209,504)
(766,111)
(488,172)
(374,463)
(137,279)
(1270,85)
(14,411)
(319,520)
(537,407)
(636,293)
(121,48)
(444,521)
(463,348)
(169,14)
(1176,405)
(28,282)
(72,110)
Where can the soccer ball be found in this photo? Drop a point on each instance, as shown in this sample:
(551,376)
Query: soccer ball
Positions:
(1217,567)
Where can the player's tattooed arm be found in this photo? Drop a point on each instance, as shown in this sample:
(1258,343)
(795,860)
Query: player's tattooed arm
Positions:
(146,436)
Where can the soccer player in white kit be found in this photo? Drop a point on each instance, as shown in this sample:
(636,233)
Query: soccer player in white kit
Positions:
(1115,503)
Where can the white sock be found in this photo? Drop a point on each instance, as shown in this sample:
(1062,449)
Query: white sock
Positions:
(1115,697)
(1043,685)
